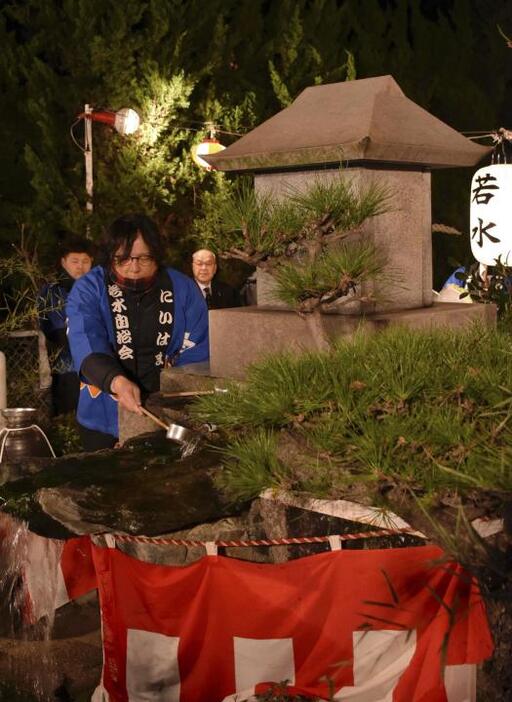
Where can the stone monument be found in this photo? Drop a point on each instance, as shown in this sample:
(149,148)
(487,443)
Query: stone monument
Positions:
(372,132)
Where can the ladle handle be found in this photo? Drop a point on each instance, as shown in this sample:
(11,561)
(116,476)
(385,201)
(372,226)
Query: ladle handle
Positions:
(156,419)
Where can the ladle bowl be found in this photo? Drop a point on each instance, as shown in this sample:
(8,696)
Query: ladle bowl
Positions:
(179,434)
(174,432)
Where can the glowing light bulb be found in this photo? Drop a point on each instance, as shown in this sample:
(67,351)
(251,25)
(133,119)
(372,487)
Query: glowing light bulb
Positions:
(127,121)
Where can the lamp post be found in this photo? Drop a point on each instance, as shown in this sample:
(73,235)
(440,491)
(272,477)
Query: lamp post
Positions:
(89,182)
(125,121)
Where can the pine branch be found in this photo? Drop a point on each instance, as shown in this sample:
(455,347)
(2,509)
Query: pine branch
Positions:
(335,274)
(267,233)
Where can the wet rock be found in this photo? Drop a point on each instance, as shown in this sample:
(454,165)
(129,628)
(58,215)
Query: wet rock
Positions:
(15,471)
(143,488)
(228,529)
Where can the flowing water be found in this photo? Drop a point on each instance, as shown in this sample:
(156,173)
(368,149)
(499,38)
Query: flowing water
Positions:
(24,630)
(145,488)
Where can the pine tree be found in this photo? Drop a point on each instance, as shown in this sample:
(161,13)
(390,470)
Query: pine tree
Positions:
(140,54)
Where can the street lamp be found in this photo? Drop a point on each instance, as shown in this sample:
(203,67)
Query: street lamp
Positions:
(125,121)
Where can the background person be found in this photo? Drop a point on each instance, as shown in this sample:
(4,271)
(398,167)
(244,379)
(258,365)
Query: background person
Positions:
(127,319)
(453,288)
(75,260)
(492,284)
(218,295)
(248,291)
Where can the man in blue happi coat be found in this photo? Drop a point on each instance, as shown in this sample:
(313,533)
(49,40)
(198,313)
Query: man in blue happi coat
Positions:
(127,319)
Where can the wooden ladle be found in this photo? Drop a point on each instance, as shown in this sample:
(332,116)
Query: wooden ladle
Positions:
(156,419)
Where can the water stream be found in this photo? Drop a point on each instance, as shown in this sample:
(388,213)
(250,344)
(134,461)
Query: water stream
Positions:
(150,487)
(25,633)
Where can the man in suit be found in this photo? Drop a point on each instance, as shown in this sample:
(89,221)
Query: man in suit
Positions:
(217,294)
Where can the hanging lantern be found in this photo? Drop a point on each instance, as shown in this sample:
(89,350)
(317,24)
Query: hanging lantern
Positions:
(490,214)
(209,145)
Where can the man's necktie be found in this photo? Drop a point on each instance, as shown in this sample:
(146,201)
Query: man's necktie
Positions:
(208,297)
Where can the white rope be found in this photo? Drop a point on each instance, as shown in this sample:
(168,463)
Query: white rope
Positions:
(335,542)
(4,438)
(7,431)
(110,540)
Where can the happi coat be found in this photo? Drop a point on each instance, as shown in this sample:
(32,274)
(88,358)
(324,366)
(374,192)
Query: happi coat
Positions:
(51,303)
(91,330)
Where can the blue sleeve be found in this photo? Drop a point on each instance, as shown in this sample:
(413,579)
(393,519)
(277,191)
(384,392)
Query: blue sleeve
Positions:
(50,304)
(191,344)
(454,280)
(87,324)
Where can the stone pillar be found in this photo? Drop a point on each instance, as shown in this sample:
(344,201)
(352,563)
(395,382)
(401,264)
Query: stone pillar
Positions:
(403,233)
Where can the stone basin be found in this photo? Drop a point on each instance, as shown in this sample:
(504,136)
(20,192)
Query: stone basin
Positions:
(146,487)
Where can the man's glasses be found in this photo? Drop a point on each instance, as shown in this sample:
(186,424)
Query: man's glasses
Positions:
(142,260)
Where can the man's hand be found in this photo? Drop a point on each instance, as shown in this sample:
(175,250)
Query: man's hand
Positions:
(127,393)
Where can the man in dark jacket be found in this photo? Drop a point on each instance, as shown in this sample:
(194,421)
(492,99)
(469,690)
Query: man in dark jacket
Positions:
(218,295)
(75,261)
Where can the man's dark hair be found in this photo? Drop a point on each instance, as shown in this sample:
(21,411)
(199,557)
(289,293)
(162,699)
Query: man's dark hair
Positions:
(125,230)
(75,244)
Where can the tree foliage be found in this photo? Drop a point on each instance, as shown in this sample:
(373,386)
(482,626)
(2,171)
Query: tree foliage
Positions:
(301,238)
(182,63)
(62,55)
(399,419)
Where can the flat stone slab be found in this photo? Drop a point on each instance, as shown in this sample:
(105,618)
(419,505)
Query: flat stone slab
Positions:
(144,488)
(244,335)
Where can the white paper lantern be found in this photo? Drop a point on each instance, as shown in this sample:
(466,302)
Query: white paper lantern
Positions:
(208,146)
(491,214)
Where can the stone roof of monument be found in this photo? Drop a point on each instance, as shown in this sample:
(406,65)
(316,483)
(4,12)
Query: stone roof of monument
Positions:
(361,120)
